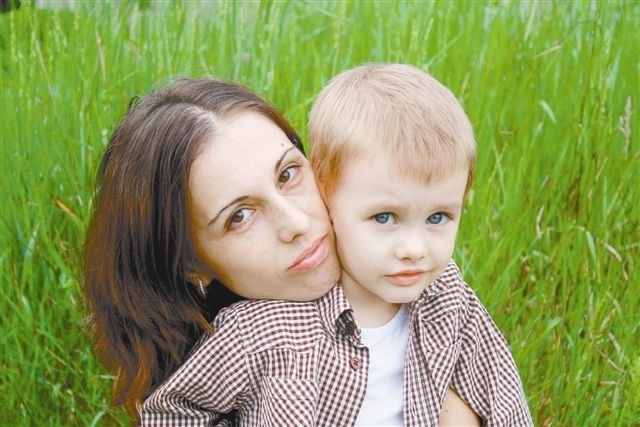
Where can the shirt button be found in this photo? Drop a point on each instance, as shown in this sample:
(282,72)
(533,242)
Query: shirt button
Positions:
(355,363)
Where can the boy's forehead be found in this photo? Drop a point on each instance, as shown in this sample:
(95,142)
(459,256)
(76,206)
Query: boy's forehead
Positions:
(375,181)
(381,162)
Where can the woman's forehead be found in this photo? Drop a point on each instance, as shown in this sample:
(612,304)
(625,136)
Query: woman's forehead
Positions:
(247,133)
(240,159)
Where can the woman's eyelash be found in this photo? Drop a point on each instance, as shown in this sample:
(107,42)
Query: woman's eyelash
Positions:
(247,213)
(292,170)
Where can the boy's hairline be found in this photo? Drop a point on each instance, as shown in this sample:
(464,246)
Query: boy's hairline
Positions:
(335,142)
(395,167)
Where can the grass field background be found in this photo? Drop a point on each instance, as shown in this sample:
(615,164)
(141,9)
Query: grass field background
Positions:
(549,239)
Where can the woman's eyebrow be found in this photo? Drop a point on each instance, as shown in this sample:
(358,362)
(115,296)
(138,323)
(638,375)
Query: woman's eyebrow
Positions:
(233,202)
(281,159)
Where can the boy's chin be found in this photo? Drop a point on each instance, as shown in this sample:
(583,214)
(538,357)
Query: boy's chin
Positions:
(405,296)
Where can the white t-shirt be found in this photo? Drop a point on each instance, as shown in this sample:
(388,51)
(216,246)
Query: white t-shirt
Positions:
(387,344)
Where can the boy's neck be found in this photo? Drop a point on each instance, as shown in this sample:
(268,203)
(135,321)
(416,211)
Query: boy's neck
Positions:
(369,310)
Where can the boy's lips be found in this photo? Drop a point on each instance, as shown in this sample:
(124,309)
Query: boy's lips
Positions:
(311,257)
(406,277)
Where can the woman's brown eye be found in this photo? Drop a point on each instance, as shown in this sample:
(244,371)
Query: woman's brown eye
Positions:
(285,176)
(240,218)
(237,217)
(288,174)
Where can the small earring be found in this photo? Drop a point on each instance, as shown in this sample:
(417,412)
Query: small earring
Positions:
(203,290)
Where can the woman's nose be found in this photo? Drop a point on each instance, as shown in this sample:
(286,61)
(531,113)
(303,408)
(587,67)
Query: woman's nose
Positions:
(411,247)
(291,220)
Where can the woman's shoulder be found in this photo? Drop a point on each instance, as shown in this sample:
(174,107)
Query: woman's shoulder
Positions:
(267,310)
(270,323)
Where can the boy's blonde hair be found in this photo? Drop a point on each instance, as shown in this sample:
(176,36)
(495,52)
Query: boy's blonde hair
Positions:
(397,109)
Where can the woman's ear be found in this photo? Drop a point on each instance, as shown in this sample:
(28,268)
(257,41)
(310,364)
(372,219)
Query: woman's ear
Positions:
(197,272)
(199,280)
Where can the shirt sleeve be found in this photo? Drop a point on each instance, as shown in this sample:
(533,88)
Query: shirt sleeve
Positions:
(486,376)
(212,381)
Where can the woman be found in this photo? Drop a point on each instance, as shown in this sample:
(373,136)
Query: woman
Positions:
(202,182)
(160,232)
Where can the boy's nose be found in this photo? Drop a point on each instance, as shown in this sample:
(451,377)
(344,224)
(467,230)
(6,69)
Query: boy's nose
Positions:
(411,247)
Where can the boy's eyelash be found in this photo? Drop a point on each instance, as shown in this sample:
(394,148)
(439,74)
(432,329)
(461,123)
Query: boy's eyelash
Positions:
(448,215)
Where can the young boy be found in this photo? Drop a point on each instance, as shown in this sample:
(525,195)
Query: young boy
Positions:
(394,155)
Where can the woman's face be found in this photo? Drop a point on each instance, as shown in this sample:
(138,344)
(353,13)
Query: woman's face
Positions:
(257,221)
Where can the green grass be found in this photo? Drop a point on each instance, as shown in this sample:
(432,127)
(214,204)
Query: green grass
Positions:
(550,236)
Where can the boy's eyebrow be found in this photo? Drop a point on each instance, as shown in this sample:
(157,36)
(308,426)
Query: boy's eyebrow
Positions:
(241,198)
(449,206)
(233,202)
(392,204)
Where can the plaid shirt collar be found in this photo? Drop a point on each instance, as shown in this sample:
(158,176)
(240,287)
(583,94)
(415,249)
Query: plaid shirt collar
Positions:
(335,311)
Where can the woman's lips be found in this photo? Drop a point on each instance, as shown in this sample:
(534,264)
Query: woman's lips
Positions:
(406,278)
(311,257)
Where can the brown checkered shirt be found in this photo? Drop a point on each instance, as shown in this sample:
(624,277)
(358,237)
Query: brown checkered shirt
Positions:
(286,363)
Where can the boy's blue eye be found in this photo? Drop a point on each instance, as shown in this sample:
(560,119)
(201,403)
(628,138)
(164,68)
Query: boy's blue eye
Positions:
(436,218)
(382,218)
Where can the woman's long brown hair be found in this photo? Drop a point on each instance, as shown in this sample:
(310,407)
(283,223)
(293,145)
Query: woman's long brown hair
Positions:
(145,315)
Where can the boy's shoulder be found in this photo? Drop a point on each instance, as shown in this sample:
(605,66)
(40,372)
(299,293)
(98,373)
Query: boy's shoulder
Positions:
(448,292)
(448,283)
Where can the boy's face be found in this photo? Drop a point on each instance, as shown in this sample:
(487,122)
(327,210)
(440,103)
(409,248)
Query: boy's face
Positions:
(395,235)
